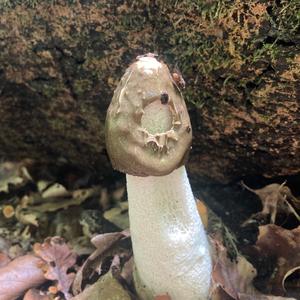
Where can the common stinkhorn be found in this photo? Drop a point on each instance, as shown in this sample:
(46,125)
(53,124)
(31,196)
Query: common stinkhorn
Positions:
(148,137)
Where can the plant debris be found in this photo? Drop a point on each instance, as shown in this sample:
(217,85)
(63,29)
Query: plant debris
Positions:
(106,246)
(34,294)
(283,246)
(59,258)
(276,198)
(233,279)
(19,275)
(87,252)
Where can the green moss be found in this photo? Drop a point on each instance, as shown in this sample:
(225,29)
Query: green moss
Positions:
(57,124)
(28,3)
(285,19)
(50,90)
(269,50)
(81,86)
(266,118)
(220,45)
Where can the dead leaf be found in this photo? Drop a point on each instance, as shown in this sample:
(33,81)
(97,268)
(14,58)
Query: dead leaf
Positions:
(26,216)
(105,241)
(118,215)
(275,198)
(235,278)
(262,297)
(13,174)
(55,190)
(59,258)
(232,276)
(20,275)
(283,245)
(56,203)
(127,271)
(107,287)
(106,244)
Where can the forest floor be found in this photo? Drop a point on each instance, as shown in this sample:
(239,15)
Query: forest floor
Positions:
(64,235)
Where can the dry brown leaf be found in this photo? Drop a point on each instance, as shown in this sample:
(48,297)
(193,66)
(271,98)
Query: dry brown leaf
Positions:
(55,190)
(105,244)
(34,294)
(20,275)
(219,294)
(107,287)
(59,258)
(275,198)
(235,278)
(13,174)
(104,241)
(127,271)
(262,297)
(283,245)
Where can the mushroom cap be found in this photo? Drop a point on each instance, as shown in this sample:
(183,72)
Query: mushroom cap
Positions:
(147,130)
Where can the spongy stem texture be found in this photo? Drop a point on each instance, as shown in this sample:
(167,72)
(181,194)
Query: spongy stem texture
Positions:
(170,246)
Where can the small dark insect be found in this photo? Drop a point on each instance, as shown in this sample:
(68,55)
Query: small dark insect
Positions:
(164,98)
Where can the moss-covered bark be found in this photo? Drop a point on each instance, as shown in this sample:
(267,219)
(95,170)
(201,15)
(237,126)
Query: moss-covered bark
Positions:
(60,61)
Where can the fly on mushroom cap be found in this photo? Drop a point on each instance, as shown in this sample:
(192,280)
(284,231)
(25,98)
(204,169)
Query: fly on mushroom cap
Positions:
(147,129)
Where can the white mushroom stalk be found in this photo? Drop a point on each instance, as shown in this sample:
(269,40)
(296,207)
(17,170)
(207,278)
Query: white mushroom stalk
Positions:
(148,136)
(170,247)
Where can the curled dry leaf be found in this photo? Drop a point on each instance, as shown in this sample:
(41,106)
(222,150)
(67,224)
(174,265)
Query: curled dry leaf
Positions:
(105,244)
(283,245)
(20,275)
(275,198)
(55,190)
(13,174)
(262,297)
(127,271)
(58,202)
(107,287)
(234,278)
(121,269)
(118,215)
(59,258)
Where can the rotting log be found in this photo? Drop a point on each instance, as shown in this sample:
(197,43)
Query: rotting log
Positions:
(60,62)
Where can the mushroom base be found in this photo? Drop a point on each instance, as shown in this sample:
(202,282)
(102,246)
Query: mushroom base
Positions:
(170,247)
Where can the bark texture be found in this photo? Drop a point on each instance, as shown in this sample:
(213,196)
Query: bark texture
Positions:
(61,60)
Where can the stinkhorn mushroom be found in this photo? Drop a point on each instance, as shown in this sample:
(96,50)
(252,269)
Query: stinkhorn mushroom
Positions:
(148,137)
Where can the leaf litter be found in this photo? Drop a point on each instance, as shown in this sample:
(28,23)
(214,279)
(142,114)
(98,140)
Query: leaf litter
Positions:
(96,258)
(59,259)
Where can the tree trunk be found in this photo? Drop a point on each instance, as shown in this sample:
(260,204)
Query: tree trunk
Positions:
(61,60)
